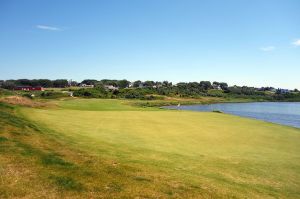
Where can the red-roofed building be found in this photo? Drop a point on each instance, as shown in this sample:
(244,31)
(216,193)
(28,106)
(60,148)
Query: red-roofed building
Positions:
(29,88)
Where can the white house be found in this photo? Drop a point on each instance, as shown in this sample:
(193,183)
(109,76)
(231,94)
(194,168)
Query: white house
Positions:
(111,87)
(86,85)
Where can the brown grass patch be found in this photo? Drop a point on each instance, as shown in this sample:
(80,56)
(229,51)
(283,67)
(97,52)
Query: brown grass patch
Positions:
(23,101)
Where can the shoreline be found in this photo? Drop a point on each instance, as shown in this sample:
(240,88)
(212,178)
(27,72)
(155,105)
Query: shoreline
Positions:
(281,116)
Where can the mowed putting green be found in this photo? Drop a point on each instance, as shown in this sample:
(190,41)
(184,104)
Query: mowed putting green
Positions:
(179,153)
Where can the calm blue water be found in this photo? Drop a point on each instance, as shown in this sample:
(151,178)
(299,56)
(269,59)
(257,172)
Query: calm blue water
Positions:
(286,113)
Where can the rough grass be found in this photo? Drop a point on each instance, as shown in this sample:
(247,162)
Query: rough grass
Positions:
(136,153)
(28,158)
(22,101)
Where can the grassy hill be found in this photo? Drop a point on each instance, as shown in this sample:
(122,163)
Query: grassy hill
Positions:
(110,149)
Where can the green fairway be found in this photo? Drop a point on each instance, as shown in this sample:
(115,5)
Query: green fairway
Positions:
(128,152)
(100,105)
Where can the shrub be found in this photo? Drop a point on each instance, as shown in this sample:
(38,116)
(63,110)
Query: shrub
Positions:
(53,94)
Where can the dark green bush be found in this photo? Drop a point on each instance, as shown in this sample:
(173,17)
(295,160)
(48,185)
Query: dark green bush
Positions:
(53,94)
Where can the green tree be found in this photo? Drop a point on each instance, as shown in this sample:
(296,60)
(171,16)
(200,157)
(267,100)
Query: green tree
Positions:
(89,81)
(223,85)
(123,83)
(167,84)
(136,84)
(149,83)
(9,84)
(60,83)
(205,85)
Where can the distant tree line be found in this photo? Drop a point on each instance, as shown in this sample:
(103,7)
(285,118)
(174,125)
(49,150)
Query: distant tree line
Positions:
(107,88)
(116,83)
(58,83)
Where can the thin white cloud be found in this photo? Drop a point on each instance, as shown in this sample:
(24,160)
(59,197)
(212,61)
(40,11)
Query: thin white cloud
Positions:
(268,48)
(51,28)
(296,43)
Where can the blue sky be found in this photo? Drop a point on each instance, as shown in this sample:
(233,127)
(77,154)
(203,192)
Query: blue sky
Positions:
(243,42)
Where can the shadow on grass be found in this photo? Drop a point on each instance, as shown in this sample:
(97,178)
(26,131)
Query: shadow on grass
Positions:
(142,179)
(67,183)
(51,159)
(47,159)
(3,139)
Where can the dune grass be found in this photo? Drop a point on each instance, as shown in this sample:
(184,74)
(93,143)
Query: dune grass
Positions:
(109,149)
